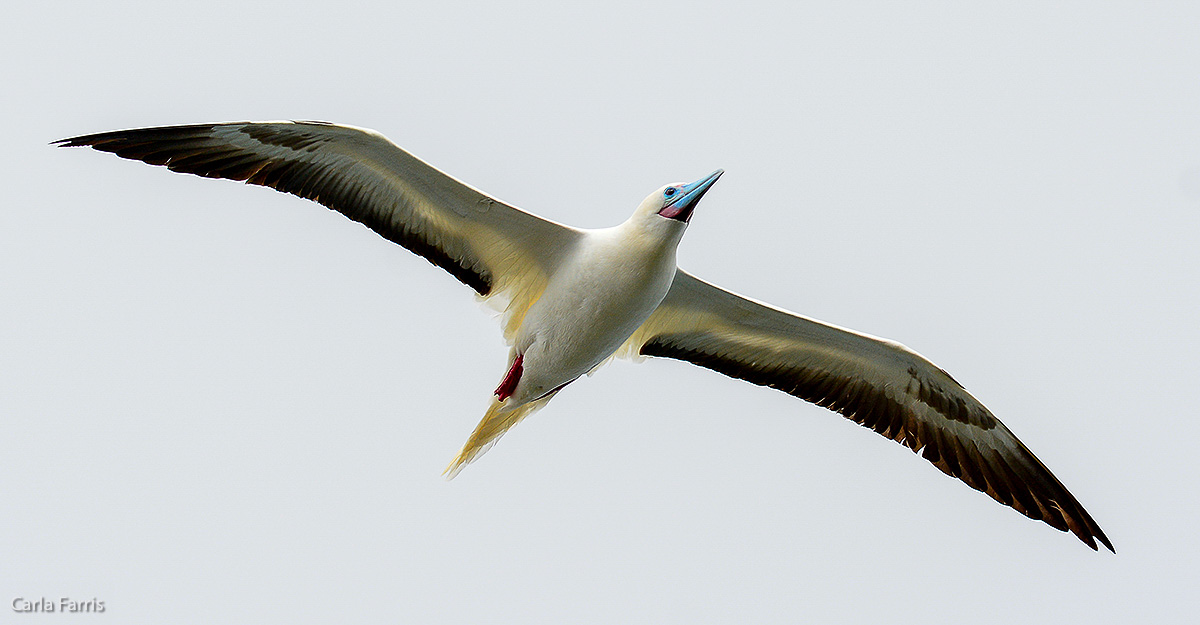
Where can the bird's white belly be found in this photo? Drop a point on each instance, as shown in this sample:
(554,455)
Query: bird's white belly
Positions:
(585,314)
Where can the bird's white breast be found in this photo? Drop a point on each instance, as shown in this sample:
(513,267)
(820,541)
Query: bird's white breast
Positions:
(591,305)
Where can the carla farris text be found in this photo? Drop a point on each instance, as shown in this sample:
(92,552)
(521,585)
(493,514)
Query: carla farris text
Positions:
(64,604)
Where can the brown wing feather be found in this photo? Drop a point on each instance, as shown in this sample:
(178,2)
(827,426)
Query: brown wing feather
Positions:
(878,384)
(492,247)
(200,150)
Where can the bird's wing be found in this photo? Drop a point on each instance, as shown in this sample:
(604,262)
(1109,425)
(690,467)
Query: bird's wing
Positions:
(492,247)
(877,383)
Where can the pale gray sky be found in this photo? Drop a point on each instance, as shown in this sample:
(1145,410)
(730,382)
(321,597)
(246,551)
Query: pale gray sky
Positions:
(222,403)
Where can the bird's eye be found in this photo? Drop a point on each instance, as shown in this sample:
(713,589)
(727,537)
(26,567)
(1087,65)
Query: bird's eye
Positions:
(670,191)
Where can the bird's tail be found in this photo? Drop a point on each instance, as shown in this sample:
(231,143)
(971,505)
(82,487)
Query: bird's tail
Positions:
(496,421)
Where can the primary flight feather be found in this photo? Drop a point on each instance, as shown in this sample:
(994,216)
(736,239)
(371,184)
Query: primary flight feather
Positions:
(572,298)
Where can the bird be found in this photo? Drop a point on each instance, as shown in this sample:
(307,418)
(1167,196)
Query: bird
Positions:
(571,299)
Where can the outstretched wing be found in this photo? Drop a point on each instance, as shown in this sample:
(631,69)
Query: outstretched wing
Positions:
(488,245)
(877,383)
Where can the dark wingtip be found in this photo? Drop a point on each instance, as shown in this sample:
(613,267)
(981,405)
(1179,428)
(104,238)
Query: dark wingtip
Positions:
(81,141)
(1089,532)
(1104,540)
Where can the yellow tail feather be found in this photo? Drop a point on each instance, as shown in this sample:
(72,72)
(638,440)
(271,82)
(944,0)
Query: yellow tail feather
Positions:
(496,421)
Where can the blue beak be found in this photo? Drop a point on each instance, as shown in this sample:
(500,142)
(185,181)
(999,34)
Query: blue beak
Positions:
(689,195)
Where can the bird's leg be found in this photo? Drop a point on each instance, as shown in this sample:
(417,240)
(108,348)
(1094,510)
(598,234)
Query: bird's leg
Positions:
(509,383)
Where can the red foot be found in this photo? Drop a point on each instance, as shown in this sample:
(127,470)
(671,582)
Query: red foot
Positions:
(509,383)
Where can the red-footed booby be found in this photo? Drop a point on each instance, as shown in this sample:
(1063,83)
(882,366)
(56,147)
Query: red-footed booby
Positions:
(573,298)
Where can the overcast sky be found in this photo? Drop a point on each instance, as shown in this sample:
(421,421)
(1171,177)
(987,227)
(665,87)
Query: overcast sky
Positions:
(225,404)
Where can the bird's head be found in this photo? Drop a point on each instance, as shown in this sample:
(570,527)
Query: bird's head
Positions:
(676,201)
(668,210)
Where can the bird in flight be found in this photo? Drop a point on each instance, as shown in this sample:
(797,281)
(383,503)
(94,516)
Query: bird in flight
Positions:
(573,298)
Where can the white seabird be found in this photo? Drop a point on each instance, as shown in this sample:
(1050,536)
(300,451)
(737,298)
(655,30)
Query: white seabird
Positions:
(573,298)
